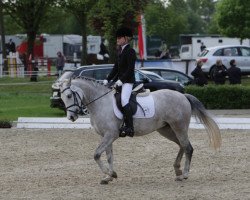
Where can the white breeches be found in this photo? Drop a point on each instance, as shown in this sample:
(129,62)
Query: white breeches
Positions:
(126,93)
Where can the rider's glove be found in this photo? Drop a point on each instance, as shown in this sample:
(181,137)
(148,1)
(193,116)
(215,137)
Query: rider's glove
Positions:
(118,83)
(105,82)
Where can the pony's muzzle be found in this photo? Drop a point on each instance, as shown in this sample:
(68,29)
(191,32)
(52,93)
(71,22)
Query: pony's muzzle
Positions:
(72,118)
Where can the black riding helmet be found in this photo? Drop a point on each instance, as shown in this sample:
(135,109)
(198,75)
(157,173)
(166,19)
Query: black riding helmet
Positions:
(122,32)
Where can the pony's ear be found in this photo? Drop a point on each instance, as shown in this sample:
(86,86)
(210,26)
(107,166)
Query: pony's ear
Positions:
(67,82)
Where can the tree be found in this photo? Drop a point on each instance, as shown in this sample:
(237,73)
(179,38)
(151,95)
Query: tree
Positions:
(109,15)
(233,18)
(2,32)
(178,17)
(61,22)
(166,22)
(28,14)
(80,9)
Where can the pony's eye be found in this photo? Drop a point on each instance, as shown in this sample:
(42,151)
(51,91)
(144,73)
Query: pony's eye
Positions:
(69,96)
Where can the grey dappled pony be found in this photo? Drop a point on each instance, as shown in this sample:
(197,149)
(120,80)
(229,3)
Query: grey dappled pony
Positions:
(172,117)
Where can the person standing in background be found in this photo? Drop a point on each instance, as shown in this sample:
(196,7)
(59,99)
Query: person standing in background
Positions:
(103,51)
(203,46)
(234,73)
(199,76)
(11,46)
(220,72)
(60,61)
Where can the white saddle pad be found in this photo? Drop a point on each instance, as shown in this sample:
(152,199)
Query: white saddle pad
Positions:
(147,104)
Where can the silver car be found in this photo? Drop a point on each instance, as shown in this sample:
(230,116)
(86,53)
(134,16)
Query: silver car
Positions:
(240,53)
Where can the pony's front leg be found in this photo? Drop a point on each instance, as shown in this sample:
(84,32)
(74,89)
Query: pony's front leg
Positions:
(109,153)
(106,145)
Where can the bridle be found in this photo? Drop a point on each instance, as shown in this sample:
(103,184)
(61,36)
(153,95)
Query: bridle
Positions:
(77,103)
(80,104)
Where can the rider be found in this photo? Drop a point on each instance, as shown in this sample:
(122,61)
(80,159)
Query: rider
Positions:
(124,75)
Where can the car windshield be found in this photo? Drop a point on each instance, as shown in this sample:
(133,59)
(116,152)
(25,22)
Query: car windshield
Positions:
(170,75)
(153,77)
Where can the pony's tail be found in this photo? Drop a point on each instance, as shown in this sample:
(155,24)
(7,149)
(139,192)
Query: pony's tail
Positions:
(210,125)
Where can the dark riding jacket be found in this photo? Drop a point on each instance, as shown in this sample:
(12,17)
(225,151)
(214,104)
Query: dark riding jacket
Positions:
(199,77)
(220,73)
(234,75)
(124,66)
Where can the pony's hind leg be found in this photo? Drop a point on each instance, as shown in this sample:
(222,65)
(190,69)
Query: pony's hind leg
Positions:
(180,138)
(188,152)
(169,133)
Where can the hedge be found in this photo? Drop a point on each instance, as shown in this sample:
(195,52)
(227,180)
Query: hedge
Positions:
(222,96)
(5,124)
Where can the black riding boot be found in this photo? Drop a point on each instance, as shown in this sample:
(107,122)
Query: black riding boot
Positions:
(128,128)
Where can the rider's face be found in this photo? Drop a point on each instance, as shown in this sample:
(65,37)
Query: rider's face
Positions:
(121,41)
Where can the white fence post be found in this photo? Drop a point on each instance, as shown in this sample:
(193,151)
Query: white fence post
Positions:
(16,68)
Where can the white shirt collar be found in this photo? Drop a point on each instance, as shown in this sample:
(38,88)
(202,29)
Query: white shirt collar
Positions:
(124,46)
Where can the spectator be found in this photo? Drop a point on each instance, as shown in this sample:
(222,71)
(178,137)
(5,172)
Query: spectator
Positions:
(220,72)
(165,54)
(199,76)
(203,46)
(103,51)
(60,61)
(11,46)
(234,73)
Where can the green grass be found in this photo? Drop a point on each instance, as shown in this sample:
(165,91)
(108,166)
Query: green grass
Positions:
(21,98)
(245,81)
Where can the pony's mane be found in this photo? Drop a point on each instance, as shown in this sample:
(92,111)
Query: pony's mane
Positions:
(91,80)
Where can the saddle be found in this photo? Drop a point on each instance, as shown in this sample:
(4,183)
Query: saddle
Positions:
(132,101)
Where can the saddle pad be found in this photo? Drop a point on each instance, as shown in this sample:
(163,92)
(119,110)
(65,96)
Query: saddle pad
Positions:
(147,103)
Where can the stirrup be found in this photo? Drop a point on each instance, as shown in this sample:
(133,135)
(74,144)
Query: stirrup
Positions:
(126,131)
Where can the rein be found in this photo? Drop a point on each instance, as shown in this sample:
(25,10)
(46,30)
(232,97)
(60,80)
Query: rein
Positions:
(81,105)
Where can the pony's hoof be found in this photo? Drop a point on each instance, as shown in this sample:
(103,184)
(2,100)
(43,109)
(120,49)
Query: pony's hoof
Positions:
(114,175)
(104,182)
(178,173)
(179,178)
(185,176)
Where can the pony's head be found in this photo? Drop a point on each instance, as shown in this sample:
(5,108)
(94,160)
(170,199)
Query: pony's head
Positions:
(72,98)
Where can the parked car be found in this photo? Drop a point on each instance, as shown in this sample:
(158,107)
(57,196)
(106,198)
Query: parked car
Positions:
(150,80)
(170,74)
(226,53)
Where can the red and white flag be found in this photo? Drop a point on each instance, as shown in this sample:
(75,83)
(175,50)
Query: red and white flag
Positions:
(142,37)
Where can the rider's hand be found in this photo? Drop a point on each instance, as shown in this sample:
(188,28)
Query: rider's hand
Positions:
(105,82)
(118,83)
